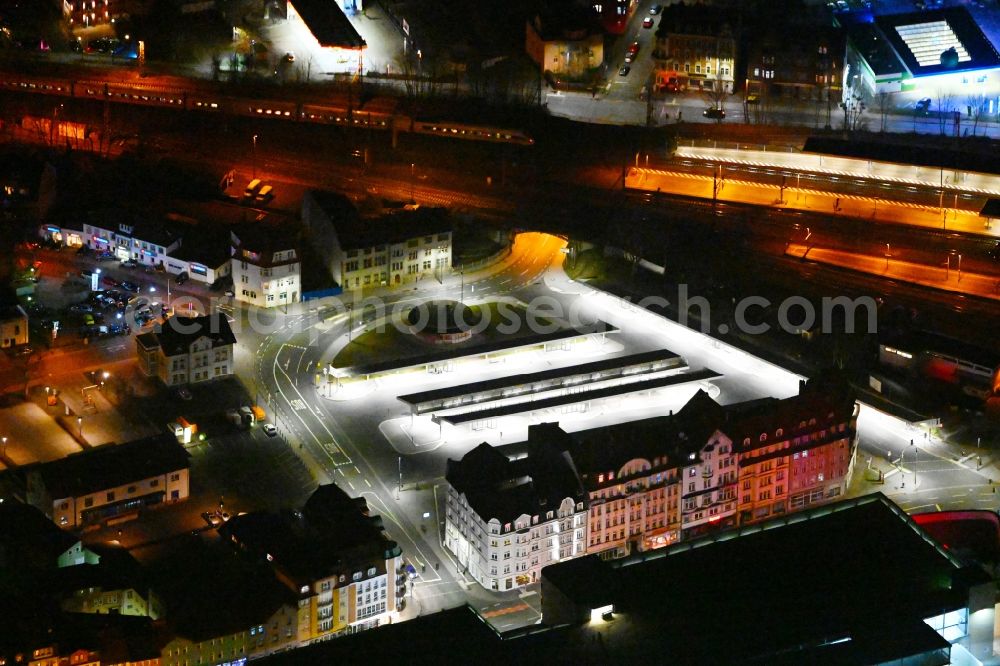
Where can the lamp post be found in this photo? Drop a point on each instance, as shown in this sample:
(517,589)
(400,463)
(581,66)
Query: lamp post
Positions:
(4,454)
(254,156)
(887,252)
(412,167)
(959,268)
(79,426)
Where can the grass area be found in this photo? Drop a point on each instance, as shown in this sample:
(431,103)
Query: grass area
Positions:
(587,265)
(472,242)
(395,342)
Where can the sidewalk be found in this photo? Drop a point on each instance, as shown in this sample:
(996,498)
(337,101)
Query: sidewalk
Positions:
(818,201)
(936,277)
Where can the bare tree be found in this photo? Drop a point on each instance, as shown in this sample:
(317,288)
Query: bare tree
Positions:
(884,104)
(945,105)
(976,102)
(854,107)
(716,94)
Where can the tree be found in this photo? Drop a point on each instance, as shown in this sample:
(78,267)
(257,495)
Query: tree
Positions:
(977,108)
(945,105)
(884,104)
(716,94)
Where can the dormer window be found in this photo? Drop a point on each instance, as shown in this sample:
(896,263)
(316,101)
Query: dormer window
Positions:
(779,432)
(746,442)
(763,436)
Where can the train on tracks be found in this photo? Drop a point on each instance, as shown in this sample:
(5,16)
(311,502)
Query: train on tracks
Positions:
(380,113)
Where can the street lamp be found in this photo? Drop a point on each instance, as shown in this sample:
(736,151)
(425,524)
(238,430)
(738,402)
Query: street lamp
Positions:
(412,166)
(254,155)
(887,252)
(79,426)
(4,455)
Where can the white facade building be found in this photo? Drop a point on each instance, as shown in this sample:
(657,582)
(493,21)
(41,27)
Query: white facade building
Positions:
(396,248)
(507,519)
(188,350)
(266,268)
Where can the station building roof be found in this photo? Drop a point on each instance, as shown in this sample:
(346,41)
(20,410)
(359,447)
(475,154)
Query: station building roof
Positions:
(328,24)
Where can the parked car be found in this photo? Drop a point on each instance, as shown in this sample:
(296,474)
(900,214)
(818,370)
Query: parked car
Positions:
(81,307)
(24,351)
(655,9)
(105,256)
(624,70)
(129,286)
(129,263)
(714,113)
(647,22)
(270,430)
(181,278)
(633,48)
(629,57)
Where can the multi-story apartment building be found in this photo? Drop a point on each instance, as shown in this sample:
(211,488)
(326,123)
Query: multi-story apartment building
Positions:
(566,42)
(695,49)
(507,519)
(109,481)
(13,326)
(335,557)
(104,579)
(121,234)
(795,452)
(242,611)
(795,62)
(655,482)
(266,266)
(188,350)
(395,248)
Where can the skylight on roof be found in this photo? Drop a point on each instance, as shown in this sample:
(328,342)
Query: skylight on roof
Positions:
(927,41)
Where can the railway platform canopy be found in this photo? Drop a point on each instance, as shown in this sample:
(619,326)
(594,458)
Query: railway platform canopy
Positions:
(521,385)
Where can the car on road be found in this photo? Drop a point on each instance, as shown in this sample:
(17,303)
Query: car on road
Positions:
(105,256)
(624,70)
(24,351)
(128,263)
(184,393)
(270,430)
(80,308)
(129,286)
(629,57)
(289,57)
(181,278)
(655,9)
(633,48)
(647,22)
(714,113)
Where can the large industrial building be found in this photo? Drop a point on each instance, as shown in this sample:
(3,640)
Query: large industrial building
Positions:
(937,53)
